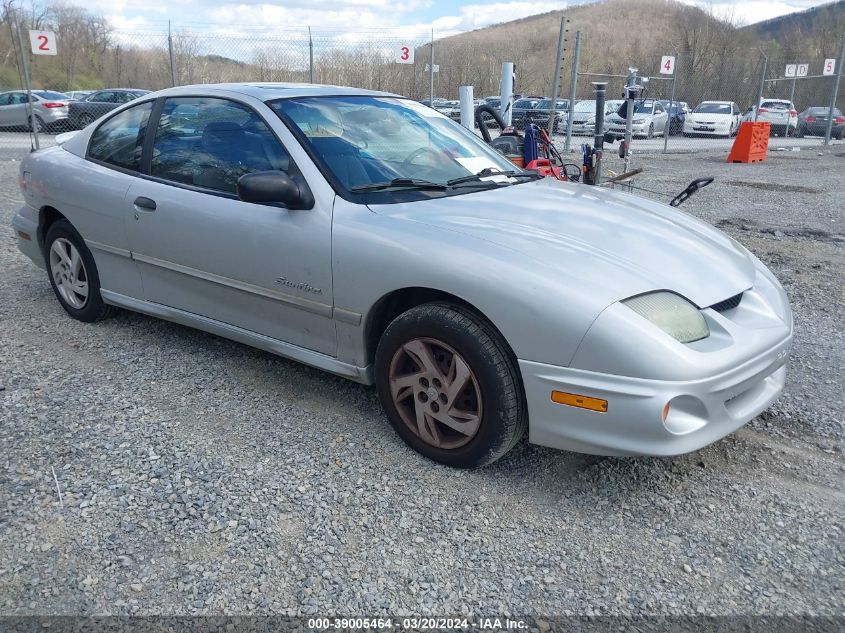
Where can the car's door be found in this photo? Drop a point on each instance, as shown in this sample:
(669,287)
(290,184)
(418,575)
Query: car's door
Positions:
(17,112)
(661,118)
(263,268)
(5,110)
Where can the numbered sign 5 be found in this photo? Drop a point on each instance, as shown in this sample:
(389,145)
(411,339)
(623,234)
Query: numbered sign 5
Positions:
(790,70)
(667,65)
(43,42)
(405,54)
(829,67)
(802,69)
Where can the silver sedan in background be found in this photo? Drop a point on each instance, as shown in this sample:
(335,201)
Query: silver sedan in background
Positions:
(370,236)
(50,110)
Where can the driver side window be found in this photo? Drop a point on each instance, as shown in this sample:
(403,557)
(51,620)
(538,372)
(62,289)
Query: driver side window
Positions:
(210,143)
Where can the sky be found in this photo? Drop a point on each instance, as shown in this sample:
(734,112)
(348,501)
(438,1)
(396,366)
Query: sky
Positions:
(447,17)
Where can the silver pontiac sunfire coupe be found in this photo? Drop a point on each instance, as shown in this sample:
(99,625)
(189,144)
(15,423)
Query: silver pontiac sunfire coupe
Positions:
(370,236)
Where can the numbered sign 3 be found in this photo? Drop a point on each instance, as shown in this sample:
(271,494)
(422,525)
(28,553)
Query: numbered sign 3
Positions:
(43,42)
(790,70)
(802,69)
(405,54)
(829,67)
(667,65)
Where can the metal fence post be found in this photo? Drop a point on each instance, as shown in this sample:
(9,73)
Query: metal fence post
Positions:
(561,38)
(762,84)
(170,53)
(431,73)
(835,92)
(671,106)
(310,57)
(32,118)
(576,59)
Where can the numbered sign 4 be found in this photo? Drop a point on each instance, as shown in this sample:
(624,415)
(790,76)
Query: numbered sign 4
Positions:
(405,54)
(43,42)
(667,65)
(802,69)
(829,67)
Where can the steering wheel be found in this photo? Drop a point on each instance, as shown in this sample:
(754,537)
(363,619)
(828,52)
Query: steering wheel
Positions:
(419,152)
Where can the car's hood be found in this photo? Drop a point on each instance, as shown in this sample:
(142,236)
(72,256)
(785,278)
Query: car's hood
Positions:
(611,244)
(704,116)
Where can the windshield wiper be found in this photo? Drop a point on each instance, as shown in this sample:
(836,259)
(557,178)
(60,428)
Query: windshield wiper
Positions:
(488,171)
(405,183)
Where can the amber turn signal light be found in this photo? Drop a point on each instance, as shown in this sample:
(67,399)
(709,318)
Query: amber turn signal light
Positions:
(582,402)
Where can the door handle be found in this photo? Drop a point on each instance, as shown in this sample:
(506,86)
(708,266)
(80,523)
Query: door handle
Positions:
(145,204)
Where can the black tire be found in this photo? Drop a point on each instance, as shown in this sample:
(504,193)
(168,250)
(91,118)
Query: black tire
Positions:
(94,308)
(39,125)
(799,132)
(504,417)
(85,120)
(650,133)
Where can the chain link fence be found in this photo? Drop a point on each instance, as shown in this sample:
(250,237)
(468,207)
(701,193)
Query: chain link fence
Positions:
(738,81)
(395,60)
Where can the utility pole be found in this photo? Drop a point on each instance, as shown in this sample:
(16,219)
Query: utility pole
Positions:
(431,74)
(170,52)
(835,92)
(561,40)
(762,84)
(33,121)
(310,57)
(573,88)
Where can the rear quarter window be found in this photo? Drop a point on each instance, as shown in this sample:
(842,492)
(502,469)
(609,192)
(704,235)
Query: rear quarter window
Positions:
(119,139)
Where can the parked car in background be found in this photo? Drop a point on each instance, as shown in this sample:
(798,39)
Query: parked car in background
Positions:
(713,118)
(813,122)
(584,116)
(50,109)
(433,103)
(521,108)
(82,113)
(451,109)
(483,302)
(677,115)
(781,113)
(78,95)
(650,118)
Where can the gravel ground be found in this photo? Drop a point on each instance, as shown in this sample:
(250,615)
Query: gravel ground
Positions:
(202,476)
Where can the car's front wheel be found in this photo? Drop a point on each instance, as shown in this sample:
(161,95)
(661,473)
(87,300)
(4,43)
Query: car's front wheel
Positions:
(450,386)
(73,273)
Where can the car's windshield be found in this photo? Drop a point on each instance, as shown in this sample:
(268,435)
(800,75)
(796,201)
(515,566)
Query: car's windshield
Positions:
(644,107)
(775,105)
(546,104)
(526,103)
(585,106)
(823,111)
(713,108)
(363,141)
(47,94)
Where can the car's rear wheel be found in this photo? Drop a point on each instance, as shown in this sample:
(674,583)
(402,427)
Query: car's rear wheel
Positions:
(650,131)
(85,120)
(450,386)
(73,273)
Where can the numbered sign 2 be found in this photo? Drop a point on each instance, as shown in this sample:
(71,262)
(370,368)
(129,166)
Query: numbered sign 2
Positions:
(829,67)
(667,65)
(802,69)
(43,42)
(405,54)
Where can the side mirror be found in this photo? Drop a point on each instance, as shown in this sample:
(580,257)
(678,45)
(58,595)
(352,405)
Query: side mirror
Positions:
(274,187)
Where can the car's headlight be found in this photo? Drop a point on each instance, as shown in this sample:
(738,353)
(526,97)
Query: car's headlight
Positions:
(671,313)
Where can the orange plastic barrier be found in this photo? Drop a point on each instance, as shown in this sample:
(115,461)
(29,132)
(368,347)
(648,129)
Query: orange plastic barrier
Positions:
(751,142)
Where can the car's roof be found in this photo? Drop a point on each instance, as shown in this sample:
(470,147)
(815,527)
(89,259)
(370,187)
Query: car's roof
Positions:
(724,102)
(267,91)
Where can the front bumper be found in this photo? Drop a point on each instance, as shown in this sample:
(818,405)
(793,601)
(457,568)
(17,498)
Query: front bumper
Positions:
(701,411)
